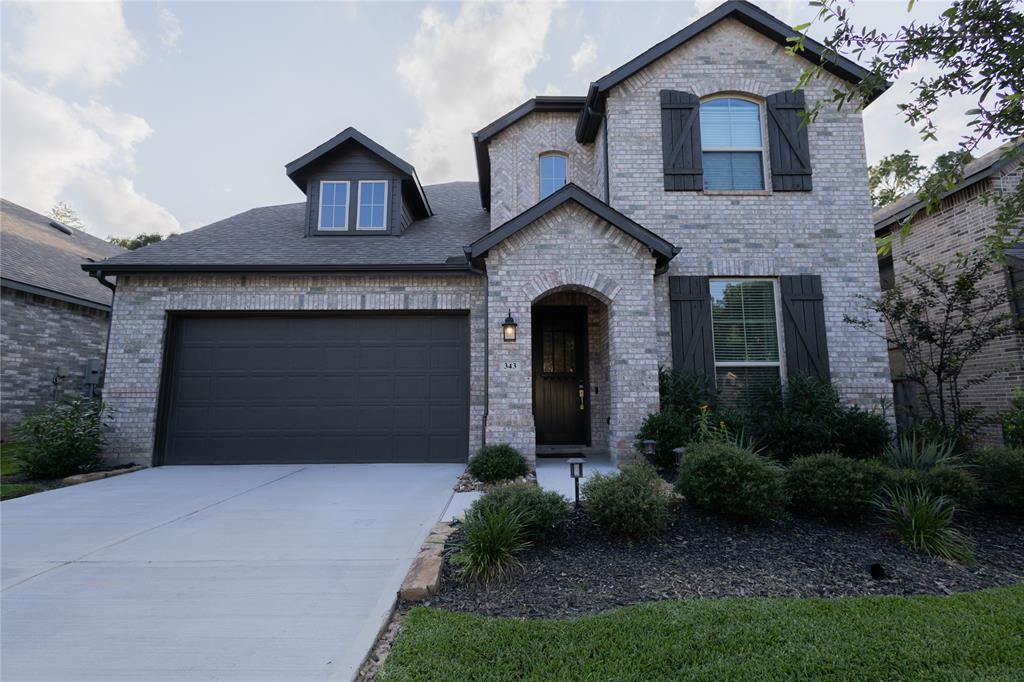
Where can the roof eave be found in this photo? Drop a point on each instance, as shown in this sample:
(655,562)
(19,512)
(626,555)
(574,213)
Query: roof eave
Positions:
(143,268)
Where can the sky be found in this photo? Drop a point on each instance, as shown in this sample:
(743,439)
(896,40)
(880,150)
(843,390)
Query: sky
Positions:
(166,116)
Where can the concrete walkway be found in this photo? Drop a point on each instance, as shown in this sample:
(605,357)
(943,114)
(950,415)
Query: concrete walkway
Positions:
(553,472)
(205,573)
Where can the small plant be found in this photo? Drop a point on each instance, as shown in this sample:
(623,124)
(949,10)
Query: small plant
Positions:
(629,505)
(923,521)
(731,480)
(859,433)
(1001,473)
(1013,420)
(539,511)
(495,463)
(921,453)
(669,429)
(61,439)
(493,537)
(831,486)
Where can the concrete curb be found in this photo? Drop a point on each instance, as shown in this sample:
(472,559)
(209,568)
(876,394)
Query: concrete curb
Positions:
(98,475)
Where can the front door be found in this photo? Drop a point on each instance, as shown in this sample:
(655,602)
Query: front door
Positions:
(560,408)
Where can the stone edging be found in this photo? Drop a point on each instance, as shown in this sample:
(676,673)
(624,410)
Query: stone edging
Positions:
(97,475)
(424,577)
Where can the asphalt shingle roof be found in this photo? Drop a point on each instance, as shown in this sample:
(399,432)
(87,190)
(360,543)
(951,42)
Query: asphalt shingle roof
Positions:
(274,236)
(35,253)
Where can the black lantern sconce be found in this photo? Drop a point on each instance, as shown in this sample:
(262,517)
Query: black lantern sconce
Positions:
(508,328)
(576,471)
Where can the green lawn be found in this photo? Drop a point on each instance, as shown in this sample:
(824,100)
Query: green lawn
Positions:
(962,637)
(8,467)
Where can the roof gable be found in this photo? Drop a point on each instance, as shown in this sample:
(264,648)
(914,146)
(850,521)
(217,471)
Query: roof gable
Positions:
(298,169)
(661,249)
(744,12)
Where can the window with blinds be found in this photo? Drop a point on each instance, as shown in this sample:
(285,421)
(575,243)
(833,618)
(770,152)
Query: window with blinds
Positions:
(730,134)
(745,330)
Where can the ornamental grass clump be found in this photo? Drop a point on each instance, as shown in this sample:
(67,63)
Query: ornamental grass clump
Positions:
(922,453)
(495,463)
(923,521)
(629,505)
(493,536)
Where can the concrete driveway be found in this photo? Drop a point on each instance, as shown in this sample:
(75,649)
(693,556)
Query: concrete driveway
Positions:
(219,572)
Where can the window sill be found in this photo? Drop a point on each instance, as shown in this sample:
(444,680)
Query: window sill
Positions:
(737,192)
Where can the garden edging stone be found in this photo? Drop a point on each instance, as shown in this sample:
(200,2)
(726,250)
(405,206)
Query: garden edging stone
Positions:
(424,577)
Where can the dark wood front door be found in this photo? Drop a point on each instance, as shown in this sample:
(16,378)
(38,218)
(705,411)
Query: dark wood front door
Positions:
(560,408)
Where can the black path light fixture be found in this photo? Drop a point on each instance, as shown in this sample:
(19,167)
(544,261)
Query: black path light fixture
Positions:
(508,327)
(576,471)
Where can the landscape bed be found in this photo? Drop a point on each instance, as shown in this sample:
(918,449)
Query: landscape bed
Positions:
(581,571)
(968,636)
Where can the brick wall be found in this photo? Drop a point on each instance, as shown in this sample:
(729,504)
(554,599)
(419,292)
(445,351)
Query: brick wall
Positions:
(140,318)
(38,335)
(959,226)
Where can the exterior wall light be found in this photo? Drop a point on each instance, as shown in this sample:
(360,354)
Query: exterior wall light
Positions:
(576,471)
(508,328)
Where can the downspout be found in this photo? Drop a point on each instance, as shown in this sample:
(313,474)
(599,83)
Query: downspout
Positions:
(607,172)
(98,274)
(487,343)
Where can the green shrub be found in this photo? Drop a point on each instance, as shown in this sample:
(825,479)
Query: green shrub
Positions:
(1001,473)
(539,511)
(923,521)
(859,433)
(492,539)
(831,486)
(61,439)
(1013,420)
(497,463)
(797,420)
(684,392)
(669,429)
(921,453)
(727,479)
(629,505)
(956,483)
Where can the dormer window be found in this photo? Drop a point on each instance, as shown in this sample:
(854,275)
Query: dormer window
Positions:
(554,173)
(733,153)
(334,205)
(373,199)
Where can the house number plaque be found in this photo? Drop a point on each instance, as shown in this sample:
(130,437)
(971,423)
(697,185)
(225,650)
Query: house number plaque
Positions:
(511,365)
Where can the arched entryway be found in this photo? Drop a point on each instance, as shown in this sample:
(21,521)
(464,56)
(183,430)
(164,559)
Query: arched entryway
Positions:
(569,368)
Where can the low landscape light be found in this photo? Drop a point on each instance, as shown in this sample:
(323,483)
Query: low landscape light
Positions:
(576,471)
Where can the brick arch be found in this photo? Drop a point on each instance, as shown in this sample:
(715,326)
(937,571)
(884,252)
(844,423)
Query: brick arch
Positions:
(588,281)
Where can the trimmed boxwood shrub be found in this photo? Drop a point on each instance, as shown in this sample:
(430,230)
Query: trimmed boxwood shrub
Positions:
(61,439)
(831,486)
(669,429)
(727,479)
(953,482)
(629,505)
(1001,473)
(495,463)
(539,511)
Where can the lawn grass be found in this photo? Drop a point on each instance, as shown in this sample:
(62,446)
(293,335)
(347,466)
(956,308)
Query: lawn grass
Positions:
(9,467)
(962,637)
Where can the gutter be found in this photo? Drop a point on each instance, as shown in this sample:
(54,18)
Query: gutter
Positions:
(98,270)
(102,279)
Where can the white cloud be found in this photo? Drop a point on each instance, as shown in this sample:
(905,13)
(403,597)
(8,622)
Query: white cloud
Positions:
(86,42)
(466,71)
(585,58)
(55,151)
(170,27)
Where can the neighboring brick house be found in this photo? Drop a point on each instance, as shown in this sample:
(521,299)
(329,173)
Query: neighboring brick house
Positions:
(54,317)
(381,320)
(959,225)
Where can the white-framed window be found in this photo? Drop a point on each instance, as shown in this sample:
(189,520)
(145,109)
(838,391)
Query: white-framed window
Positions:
(731,144)
(373,205)
(554,173)
(333,205)
(747,338)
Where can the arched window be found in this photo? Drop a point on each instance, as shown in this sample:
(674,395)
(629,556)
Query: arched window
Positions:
(730,138)
(554,173)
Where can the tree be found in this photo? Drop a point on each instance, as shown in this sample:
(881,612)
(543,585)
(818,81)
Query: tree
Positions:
(976,47)
(63,213)
(939,317)
(894,176)
(138,241)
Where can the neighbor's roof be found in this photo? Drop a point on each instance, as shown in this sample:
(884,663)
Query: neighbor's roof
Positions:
(745,12)
(983,167)
(274,238)
(39,258)
(660,248)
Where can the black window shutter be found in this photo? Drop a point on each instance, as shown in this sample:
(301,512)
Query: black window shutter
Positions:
(803,323)
(680,141)
(787,142)
(1015,277)
(690,306)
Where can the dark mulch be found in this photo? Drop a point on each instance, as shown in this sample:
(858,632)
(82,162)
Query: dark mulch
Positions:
(580,571)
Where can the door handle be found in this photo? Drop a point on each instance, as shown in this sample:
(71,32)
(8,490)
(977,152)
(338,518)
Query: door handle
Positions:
(581,393)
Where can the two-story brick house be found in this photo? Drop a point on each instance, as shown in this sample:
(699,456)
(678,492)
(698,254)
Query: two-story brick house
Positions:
(676,215)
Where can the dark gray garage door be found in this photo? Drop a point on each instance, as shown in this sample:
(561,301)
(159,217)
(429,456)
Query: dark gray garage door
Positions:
(356,388)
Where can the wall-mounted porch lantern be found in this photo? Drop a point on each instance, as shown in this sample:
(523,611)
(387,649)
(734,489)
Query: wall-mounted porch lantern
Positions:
(508,328)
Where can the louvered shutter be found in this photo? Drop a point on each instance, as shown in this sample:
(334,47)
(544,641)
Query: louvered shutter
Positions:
(787,142)
(690,312)
(803,318)
(680,141)
(1015,277)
